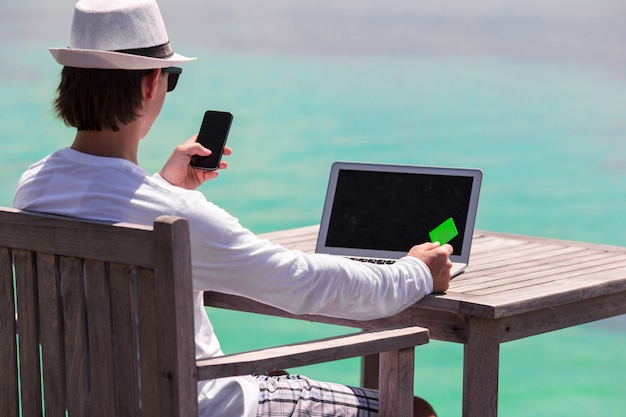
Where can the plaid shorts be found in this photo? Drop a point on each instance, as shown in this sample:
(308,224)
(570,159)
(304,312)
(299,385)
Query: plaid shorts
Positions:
(296,396)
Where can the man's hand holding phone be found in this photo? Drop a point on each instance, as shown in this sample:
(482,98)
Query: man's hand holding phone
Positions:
(177,170)
(198,159)
(213,134)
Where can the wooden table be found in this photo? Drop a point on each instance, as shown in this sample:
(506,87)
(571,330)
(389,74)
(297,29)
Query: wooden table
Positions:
(515,287)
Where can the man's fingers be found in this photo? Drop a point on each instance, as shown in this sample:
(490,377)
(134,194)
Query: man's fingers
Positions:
(448,248)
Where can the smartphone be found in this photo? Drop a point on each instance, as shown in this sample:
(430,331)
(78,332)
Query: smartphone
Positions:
(213,134)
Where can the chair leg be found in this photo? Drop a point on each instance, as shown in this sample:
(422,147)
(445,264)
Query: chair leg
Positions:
(369,371)
(395,383)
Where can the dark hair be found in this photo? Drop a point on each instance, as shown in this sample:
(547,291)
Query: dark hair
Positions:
(97,99)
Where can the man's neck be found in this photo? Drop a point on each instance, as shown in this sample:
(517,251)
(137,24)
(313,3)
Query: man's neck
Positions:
(121,144)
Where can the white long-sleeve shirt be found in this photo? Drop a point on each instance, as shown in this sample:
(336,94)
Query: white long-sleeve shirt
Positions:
(226,257)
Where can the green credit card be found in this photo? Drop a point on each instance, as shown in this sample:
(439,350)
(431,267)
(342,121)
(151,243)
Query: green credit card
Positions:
(444,233)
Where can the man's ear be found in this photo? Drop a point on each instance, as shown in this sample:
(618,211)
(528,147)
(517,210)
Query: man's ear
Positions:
(149,84)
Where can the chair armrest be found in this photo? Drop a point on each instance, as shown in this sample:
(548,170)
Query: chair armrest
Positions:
(308,353)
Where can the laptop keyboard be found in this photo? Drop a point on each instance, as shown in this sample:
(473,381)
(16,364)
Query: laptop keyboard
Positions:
(375,260)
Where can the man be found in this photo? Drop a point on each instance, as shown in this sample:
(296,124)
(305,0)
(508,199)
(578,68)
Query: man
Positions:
(117,71)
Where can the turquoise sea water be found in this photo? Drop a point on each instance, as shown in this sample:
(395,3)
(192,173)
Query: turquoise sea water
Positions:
(547,131)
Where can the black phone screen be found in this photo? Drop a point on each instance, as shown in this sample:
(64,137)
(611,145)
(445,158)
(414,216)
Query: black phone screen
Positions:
(213,134)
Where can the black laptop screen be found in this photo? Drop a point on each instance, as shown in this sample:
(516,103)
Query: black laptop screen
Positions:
(394,211)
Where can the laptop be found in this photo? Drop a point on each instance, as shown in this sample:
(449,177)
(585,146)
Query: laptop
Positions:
(376,212)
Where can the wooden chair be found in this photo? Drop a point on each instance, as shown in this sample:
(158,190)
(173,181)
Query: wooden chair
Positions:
(97,319)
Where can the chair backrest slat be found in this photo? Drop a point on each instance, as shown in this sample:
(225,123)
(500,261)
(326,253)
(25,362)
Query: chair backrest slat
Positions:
(8,346)
(98,298)
(27,328)
(76,342)
(123,310)
(51,333)
(148,366)
(108,334)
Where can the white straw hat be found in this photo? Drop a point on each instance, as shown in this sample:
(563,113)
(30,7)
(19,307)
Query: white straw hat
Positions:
(118,34)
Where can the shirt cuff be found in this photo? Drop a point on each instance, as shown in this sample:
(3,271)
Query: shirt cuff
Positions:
(425,274)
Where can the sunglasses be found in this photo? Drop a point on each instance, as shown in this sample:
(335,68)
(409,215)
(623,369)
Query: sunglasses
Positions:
(172,76)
